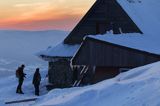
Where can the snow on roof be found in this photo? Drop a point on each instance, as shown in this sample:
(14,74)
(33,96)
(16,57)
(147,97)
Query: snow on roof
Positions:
(60,50)
(135,41)
(146,14)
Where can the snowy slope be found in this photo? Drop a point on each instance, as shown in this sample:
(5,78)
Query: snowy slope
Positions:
(137,87)
(145,13)
(17,47)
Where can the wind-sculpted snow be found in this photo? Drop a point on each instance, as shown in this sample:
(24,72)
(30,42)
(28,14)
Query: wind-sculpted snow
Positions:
(137,87)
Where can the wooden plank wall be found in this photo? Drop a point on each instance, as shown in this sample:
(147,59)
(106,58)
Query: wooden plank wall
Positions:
(105,15)
(97,53)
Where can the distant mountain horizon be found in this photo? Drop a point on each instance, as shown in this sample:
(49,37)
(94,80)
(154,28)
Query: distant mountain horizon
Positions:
(1,30)
(17,46)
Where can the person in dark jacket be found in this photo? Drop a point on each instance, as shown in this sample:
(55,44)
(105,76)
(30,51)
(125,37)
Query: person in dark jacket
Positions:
(36,81)
(21,76)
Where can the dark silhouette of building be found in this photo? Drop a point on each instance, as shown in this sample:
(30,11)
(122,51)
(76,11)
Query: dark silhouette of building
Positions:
(97,57)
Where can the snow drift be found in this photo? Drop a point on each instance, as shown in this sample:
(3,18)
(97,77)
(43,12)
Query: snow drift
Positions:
(138,87)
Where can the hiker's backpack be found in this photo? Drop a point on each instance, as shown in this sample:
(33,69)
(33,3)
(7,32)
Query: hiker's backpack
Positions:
(17,73)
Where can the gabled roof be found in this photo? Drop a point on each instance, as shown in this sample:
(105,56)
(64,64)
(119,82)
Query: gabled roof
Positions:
(104,15)
(146,14)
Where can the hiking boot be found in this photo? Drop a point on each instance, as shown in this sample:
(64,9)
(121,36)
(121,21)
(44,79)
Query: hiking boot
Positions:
(37,94)
(17,91)
(21,93)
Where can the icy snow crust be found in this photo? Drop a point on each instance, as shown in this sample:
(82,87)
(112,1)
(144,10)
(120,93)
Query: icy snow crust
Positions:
(146,14)
(137,87)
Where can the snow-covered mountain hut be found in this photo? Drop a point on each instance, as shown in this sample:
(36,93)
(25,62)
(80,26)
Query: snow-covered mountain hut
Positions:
(110,55)
(95,53)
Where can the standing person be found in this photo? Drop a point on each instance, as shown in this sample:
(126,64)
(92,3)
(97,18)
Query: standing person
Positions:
(36,81)
(20,75)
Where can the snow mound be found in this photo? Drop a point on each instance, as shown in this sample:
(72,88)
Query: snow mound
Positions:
(137,87)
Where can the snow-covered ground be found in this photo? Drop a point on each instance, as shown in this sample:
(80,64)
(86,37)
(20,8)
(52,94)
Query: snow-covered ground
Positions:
(17,47)
(9,84)
(137,87)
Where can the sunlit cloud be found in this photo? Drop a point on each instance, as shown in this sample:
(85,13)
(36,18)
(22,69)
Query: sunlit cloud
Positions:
(42,14)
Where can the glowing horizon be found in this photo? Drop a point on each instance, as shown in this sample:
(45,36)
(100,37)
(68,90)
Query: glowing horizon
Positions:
(42,14)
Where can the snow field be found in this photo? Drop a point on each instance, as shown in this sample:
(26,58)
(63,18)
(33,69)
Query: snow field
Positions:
(137,87)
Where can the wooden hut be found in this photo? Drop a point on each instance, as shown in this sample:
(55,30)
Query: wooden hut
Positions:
(106,59)
(104,16)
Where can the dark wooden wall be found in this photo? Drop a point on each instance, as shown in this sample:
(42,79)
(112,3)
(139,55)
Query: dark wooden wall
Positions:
(104,15)
(98,53)
(102,73)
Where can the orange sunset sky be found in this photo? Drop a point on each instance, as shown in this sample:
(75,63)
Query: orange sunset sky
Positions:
(42,14)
